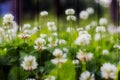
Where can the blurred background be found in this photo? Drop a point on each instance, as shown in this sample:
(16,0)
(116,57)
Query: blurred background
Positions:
(29,9)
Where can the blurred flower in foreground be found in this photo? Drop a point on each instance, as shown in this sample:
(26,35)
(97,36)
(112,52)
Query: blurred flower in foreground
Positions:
(83,56)
(108,71)
(8,19)
(29,63)
(69,11)
(43,13)
(84,15)
(50,78)
(87,76)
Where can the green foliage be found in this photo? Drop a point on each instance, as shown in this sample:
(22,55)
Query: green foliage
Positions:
(64,72)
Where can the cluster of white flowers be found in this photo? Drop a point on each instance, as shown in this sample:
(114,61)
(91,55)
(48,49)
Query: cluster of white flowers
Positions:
(40,44)
(50,78)
(70,14)
(83,38)
(8,19)
(108,71)
(84,14)
(43,13)
(100,29)
(83,56)
(29,63)
(60,57)
(9,31)
(26,31)
(51,26)
(87,76)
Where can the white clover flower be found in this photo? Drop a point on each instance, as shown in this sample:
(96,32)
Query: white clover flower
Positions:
(8,19)
(84,15)
(108,71)
(93,23)
(2,31)
(58,53)
(52,28)
(43,35)
(69,29)
(82,32)
(87,76)
(103,21)
(75,61)
(116,46)
(97,37)
(40,44)
(34,30)
(90,10)
(65,50)
(105,52)
(52,42)
(112,29)
(55,34)
(69,11)
(80,29)
(43,13)
(83,39)
(50,78)
(58,61)
(26,26)
(29,63)
(30,79)
(49,24)
(88,27)
(100,29)
(82,56)
(71,18)
(105,3)
(62,42)
(60,57)
(24,36)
